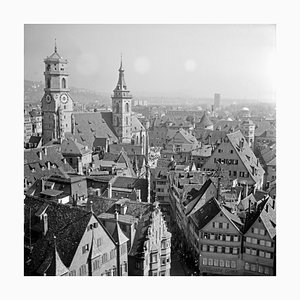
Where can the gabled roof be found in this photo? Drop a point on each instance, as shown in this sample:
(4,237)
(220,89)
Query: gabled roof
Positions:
(136,125)
(72,147)
(192,205)
(246,155)
(204,122)
(35,139)
(89,127)
(118,235)
(68,224)
(35,163)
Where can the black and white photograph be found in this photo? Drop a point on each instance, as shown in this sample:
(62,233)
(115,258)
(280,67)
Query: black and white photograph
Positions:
(149,150)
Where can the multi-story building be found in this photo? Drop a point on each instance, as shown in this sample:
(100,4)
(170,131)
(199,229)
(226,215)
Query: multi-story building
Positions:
(27,127)
(218,234)
(247,128)
(61,240)
(259,246)
(57,104)
(44,162)
(149,246)
(238,160)
(77,155)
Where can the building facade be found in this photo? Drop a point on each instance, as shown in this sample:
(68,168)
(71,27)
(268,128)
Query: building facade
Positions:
(57,104)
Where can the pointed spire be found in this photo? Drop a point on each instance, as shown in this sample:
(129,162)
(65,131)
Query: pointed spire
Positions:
(55,47)
(121,64)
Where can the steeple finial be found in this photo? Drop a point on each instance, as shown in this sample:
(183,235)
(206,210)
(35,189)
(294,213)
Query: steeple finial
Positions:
(55,47)
(121,64)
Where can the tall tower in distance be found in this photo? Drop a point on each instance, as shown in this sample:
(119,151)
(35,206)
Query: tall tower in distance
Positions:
(57,104)
(217,102)
(121,108)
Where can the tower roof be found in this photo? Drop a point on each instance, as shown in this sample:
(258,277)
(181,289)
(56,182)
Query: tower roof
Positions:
(55,55)
(118,235)
(205,121)
(121,85)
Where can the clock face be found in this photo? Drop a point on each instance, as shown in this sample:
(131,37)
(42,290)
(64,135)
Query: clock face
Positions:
(64,98)
(48,98)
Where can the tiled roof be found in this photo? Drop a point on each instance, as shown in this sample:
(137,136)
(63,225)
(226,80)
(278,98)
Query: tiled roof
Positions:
(68,224)
(225,125)
(204,122)
(198,197)
(36,168)
(118,235)
(246,155)
(35,139)
(210,136)
(128,148)
(72,147)
(136,125)
(91,126)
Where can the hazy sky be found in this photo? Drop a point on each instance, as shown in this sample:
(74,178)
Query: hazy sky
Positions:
(194,60)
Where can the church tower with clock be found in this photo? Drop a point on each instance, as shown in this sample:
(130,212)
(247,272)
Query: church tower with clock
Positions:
(57,104)
(121,108)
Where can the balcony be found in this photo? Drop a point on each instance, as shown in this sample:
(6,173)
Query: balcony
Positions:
(165,251)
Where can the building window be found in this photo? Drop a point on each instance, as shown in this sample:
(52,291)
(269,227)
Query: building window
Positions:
(219,249)
(267,270)
(125,266)
(262,242)
(117,108)
(262,232)
(247,266)
(153,258)
(268,255)
(96,264)
(104,258)
(268,244)
(163,261)
(253,268)
(72,273)
(204,261)
(63,83)
(222,263)
(248,250)
(204,248)
(212,236)
(228,238)
(82,270)
(253,252)
(235,238)
(255,230)
(210,262)
(49,83)
(85,248)
(211,248)
(216,262)
(233,264)
(261,253)
(254,241)
(235,250)
(112,254)
(127,107)
(248,239)
(227,263)
(227,250)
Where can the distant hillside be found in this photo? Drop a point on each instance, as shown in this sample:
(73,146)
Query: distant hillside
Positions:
(34,91)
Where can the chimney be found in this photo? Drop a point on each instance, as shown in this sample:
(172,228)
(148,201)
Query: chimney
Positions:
(74,201)
(138,196)
(267,207)
(116,215)
(246,189)
(45,150)
(123,209)
(40,153)
(79,166)
(48,165)
(64,160)
(273,204)
(109,190)
(45,223)
(43,184)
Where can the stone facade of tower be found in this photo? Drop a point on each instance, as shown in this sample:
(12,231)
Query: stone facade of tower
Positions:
(247,129)
(57,104)
(121,108)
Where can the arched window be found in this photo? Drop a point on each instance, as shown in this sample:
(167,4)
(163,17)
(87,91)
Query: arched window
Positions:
(63,83)
(126,120)
(137,139)
(117,107)
(117,119)
(127,107)
(48,83)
